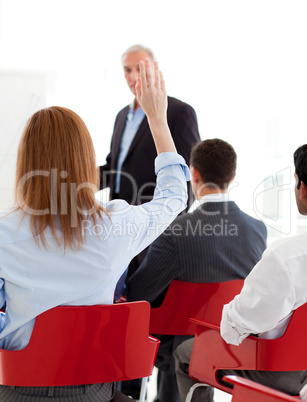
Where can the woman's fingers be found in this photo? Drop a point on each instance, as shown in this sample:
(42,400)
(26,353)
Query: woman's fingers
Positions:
(143,74)
(162,82)
(157,75)
(148,78)
(150,88)
(138,88)
(150,81)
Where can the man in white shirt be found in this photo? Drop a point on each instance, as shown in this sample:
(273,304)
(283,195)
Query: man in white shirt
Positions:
(276,286)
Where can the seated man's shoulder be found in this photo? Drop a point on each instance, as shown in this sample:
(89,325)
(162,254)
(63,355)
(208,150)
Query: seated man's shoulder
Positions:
(187,223)
(290,247)
(250,220)
(178,228)
(180,221)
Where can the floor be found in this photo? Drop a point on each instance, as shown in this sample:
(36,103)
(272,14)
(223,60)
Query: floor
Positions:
(219,396)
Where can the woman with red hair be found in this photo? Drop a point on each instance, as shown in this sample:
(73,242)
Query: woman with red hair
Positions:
(59,245)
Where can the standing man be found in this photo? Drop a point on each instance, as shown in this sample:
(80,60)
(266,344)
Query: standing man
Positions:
(129,168)
(129,171)
(276,286)
(215,243)
(130,163)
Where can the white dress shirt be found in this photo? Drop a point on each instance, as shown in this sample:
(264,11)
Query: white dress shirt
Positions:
(276,286)
(216,197)
(33,279)
(303,393)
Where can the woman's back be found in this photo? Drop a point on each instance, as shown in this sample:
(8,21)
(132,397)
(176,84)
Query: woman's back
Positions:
(35,278)
(59,246)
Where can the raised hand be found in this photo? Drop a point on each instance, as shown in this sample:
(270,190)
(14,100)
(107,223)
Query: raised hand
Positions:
(150,90)
(151,95)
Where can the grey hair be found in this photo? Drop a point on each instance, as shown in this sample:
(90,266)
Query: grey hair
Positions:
(139,48)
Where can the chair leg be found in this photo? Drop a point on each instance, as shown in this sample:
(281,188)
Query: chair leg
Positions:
(143,389)
(192,389)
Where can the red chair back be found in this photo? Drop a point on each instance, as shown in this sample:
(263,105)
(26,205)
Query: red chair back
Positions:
(211,353)
(84,345)
(184,300)
(247,390)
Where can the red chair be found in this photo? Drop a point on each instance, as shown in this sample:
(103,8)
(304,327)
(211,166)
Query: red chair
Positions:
(84,345)
(211,353)
(247,390)
(184,300)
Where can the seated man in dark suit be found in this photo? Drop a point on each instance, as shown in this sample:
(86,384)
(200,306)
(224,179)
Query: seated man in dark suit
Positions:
(276,286)
(215,243)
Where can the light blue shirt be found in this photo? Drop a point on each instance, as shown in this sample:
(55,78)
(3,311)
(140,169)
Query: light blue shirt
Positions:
(133,121)
(33,279)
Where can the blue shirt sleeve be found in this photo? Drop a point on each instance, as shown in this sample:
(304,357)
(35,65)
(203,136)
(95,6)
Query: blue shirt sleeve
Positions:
(171,158)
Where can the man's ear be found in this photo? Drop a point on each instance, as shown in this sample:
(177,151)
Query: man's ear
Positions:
(233,178)
(195,174)
(303,190)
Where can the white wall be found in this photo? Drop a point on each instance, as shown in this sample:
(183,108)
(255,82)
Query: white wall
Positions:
(241,64)
(22,94)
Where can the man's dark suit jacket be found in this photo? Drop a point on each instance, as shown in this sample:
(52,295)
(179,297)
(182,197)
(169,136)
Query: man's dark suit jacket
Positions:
(138,179)
(216,243)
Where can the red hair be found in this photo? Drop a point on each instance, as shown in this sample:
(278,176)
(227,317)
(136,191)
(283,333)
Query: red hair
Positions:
(56,175)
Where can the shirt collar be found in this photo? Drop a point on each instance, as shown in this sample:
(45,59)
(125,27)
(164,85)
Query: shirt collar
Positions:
(217,197)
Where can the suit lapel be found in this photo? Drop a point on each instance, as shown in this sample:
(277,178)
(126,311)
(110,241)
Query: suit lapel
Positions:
(142,134)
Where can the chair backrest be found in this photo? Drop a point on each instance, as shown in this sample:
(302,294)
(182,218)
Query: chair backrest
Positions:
(249,391)
(211,353)
(73,345)
(184,300)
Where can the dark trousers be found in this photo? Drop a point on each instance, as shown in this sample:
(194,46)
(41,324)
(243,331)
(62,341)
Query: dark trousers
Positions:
(167,387)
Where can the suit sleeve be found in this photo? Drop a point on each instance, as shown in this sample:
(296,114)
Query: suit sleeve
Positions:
(105,170)
(104,173)
(157,271)
(185,131)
